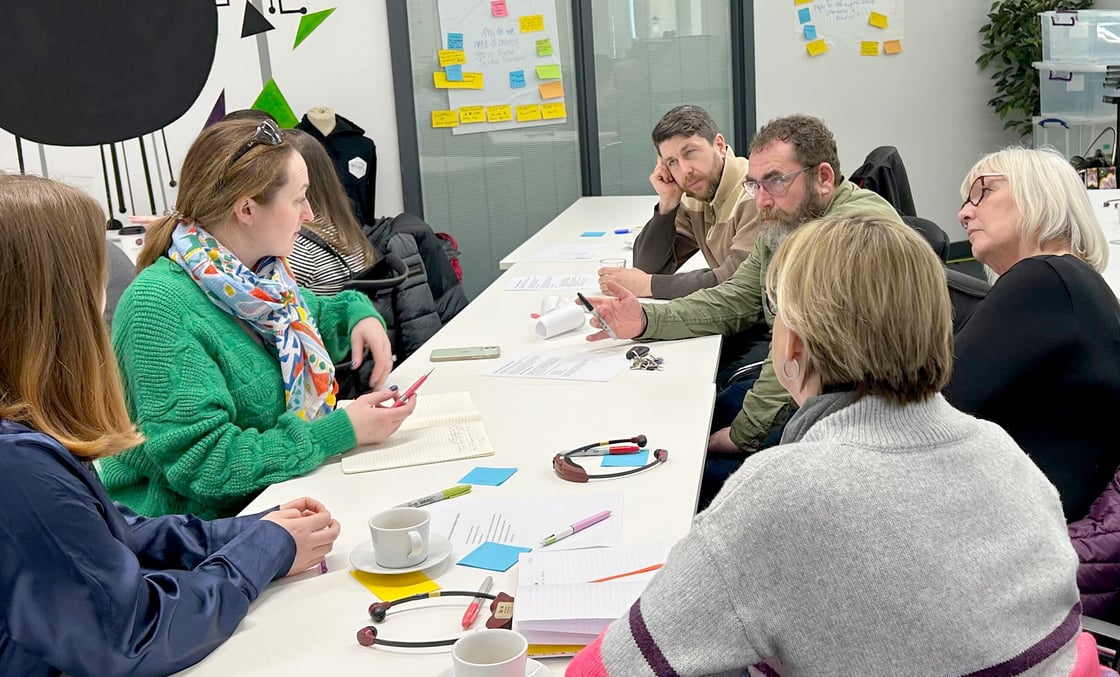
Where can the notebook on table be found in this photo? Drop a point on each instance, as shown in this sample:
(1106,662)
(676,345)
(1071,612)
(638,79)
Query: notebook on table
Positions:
(444,427)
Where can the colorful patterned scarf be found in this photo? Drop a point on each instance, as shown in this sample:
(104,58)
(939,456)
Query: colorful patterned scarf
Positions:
(267,300)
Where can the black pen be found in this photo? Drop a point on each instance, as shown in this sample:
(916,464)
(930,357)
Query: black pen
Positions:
(596,315)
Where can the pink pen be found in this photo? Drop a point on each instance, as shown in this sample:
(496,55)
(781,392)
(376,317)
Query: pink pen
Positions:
(575,528)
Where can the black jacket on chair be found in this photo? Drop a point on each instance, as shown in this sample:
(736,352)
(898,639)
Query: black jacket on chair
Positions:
(884,173)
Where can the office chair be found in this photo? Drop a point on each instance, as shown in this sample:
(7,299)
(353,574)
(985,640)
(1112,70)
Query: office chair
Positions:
(965,293)
(933,234)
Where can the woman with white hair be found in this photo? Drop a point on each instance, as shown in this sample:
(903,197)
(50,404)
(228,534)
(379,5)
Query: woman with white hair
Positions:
(1040,355)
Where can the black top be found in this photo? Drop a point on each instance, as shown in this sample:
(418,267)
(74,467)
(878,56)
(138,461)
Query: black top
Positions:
(1040,356)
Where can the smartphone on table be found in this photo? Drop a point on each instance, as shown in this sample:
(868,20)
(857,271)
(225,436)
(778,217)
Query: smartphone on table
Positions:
(466,353)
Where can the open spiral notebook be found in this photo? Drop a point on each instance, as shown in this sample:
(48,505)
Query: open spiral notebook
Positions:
(444,427)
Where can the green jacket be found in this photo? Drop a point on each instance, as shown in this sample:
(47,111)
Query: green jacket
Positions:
(210,402)
(736,305)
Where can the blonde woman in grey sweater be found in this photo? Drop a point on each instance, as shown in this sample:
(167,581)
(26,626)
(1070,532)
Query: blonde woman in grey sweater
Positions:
(888,534)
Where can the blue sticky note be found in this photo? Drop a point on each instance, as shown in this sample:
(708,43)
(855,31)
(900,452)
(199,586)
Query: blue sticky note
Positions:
(810,32)
(454,40)
(516,79)
(493,556)
(593,233)
(490,477)
(454,73)
(803,15)
(637,459)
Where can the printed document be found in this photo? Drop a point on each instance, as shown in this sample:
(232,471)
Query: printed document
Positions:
(470,520)
(557,366)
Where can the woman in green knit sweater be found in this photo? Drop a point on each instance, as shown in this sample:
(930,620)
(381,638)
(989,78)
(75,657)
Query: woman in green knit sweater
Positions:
(227,364)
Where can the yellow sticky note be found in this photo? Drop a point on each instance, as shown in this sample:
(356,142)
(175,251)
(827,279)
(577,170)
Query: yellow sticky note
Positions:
(892,46)
(815,48)
(877,20)
(868,48)
(549,72)
(451,57)
(469,114)
(553,111)
(529,112)
(503,113)
(394,586)
(445,118)
(551,90)
(532,23)
(801,2)
(470,81)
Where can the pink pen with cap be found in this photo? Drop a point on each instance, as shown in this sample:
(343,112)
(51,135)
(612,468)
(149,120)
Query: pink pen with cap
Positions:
(575,528)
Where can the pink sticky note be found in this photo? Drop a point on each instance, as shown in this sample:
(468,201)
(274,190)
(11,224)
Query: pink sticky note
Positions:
(498,8)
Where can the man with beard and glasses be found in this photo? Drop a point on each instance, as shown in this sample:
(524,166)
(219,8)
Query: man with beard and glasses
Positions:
(702,206)
(794,177)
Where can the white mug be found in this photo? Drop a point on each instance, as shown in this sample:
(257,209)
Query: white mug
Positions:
(490,653)
(400,537)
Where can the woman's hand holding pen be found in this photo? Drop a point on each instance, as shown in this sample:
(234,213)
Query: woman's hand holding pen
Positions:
(623,313)
(369,334)
(374,420)
(312,528)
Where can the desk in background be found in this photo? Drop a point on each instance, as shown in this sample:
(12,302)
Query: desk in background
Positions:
(589,214)
(1109,218)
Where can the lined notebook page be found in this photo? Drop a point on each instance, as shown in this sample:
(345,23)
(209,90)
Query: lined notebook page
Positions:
(574,607)
(552,567)
(444,427)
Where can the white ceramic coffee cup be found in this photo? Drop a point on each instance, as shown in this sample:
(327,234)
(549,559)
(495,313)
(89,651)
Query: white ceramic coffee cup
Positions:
(400,537)
(490,653)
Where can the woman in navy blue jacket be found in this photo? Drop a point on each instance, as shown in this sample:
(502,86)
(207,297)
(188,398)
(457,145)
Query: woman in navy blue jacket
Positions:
(87,588)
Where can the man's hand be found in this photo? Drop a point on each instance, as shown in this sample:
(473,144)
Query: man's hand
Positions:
(637,281)
(623,313)
(720,443)
(666,187)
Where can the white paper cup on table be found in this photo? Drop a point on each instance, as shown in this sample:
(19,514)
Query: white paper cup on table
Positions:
(564,319)
(612,263)
(400,537)
(490,653)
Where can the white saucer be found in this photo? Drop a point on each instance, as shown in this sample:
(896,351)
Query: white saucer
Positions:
(362,557)
(532,669)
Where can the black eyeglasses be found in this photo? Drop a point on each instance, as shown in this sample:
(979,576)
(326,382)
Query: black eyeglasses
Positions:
(775,185)
(769,297)
(979,190)
(267,132)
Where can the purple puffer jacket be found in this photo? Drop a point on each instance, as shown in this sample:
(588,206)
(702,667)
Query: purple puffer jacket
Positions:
(1096,538)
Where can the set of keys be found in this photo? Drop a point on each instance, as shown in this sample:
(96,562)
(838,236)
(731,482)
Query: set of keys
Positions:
(641,358)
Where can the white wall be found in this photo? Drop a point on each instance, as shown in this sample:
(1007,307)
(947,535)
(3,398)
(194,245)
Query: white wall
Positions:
(344,64)
(929,101)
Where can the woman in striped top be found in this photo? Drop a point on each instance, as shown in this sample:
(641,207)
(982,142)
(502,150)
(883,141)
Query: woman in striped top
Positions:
(332,248)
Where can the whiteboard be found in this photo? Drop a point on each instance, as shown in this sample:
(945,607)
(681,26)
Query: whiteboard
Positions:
(929,101)
(497,47)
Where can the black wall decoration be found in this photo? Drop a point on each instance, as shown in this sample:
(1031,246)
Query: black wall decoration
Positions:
(89,73)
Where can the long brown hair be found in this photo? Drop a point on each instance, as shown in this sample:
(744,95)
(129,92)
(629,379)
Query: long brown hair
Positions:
(334,214)
(57,370)
(217,174)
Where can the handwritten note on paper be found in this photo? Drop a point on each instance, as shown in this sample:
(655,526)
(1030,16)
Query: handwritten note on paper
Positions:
(810,32)
(868,48)
(453,73)
(553,111)
(470,81)
(892,47)
(529,112)
(444,118)
(877,20)
(454,40)
(450,57)
(469,114)
(544,47)
(551,90)
(502,113)
(532,23)
(516,79)
(816,47)
(549,72)
(540,282)
(803,15)
(498,8)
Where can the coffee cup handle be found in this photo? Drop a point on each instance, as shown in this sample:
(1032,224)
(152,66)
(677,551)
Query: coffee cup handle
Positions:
(417,543)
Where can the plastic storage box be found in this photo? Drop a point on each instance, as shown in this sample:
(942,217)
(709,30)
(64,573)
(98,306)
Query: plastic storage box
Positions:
(1085,35)
(1072,136)
(1073,90)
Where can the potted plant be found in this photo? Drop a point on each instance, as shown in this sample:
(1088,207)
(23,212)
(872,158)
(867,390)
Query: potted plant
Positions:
(1011,44)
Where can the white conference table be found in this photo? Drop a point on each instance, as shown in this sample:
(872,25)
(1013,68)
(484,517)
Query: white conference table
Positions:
(607,213)
(1109,218)
(307,624)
